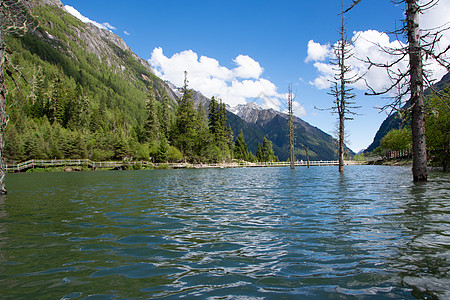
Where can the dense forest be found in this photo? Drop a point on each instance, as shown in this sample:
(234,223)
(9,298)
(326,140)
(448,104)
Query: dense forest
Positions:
(65,102)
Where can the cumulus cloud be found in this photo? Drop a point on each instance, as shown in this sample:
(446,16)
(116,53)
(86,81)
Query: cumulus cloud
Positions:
(318,52)
(71,10)
(247,67)
(238,85)
(366,44)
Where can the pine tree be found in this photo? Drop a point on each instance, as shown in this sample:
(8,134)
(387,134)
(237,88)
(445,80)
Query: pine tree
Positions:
(221,127)
(163,148)
(164,116)
(213,115)
(264,152)
(152,126)
(240,148)
(186,119)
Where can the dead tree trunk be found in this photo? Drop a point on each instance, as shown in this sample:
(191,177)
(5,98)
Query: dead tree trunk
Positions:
(419,168)
(307,155)
(344,77)
(3,115)
(291,130)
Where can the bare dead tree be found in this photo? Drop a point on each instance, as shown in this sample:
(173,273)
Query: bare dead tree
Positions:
(422,45)
(307,155)
(13,20)
(291,129)
(344,76)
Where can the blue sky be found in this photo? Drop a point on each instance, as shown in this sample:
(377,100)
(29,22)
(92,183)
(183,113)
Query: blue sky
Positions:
(244,51)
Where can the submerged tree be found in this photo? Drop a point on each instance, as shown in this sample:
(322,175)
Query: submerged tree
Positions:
(410,82)
(291,129)
(344,76)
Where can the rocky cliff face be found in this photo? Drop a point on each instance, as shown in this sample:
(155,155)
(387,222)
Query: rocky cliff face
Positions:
(253,113)
(47,2)
(61,30)
(105,44)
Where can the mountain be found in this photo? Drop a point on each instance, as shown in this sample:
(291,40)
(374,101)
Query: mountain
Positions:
(88,97)
(395,121)
(257,123)
(274,125)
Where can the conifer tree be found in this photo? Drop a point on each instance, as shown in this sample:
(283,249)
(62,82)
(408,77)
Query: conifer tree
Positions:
(213,115)
(264,152)
(152,123)
(240,148)
(164,117)
(186,119)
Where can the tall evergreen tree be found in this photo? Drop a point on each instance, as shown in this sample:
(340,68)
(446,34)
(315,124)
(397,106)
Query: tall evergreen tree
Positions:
(264,152)
(164,116)
(152,125)
(240,148)
(186,119)
(213,115)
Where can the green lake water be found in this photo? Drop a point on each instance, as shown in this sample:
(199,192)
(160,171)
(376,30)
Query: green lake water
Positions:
(254,233)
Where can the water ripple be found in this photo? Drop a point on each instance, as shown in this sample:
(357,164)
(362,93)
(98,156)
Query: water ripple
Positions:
(266,233)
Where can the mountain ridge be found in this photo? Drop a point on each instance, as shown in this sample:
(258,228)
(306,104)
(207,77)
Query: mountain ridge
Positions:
(96,65)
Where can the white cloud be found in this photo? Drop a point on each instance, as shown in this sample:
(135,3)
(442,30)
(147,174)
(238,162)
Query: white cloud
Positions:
(247,67)
(318,52)
(84,19)
(126,32)
(238,85)
(367,45)
(297,109)
(435,19)
(109,26)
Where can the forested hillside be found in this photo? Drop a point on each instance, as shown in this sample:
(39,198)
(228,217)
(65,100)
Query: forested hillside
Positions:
(69,102)
(78,91)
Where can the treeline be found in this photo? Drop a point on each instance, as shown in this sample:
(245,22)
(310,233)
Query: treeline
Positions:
(64,102)
(58,123)
(54,115)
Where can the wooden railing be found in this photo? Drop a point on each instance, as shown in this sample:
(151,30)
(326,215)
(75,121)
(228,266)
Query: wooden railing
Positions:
(36,163)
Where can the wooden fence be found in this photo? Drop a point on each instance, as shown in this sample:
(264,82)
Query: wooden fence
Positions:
(36,163)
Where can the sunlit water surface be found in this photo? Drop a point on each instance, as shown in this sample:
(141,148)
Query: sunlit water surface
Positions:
(255,233)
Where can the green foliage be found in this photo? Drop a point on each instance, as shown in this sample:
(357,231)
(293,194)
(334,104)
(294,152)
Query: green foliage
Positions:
(437,127)
(396,140)
(185,130)
(152,125)
(264,152)
(77,105)
(240,149)
(359,157)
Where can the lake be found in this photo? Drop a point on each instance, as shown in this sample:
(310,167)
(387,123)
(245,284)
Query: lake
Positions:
(251,233)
